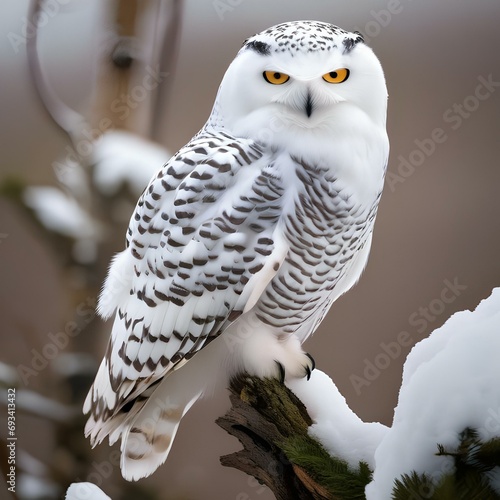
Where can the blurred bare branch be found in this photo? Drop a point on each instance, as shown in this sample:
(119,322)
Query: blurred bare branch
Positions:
(66,119)
(168,51)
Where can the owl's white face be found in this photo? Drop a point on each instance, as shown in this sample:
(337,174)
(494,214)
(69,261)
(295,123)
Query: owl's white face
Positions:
(303,87)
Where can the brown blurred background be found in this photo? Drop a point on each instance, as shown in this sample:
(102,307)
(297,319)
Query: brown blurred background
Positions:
(436,246)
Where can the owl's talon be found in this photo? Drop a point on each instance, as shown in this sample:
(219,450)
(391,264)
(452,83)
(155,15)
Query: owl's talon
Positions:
(313,364)
(281,370)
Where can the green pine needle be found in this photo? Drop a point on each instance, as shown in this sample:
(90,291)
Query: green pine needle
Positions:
(332,473)
(474,462)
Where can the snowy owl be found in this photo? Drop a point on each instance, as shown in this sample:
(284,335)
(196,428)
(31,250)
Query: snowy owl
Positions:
(245,237)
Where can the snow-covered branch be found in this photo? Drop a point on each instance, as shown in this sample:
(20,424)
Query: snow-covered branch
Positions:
(444,440)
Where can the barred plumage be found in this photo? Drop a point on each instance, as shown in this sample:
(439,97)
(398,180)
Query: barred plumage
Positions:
(242,241)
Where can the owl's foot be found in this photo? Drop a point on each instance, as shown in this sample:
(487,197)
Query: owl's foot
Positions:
(259,350)
(307,365)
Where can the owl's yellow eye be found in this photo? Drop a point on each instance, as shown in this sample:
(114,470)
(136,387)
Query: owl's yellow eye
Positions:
(337,76)
(275,77)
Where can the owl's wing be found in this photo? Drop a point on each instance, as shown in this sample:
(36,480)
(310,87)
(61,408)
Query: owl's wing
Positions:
(202,246)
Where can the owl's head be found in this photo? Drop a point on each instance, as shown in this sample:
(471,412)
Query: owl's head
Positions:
(307,74)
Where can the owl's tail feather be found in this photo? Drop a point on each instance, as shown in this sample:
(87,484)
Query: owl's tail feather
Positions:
(148,437)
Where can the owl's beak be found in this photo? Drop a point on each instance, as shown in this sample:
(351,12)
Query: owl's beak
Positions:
(309,104)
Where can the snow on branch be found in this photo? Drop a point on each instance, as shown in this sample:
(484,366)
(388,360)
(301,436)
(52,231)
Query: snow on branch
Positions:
(444,440)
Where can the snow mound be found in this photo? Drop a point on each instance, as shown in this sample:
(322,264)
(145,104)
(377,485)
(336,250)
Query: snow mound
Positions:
(85,491)
(451,381)
(124,158)
(58,212)
(62,214)
(342,433)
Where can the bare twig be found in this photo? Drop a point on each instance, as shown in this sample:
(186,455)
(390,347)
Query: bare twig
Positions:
(66,119)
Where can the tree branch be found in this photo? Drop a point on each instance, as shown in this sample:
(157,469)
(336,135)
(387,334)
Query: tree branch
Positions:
(272,425)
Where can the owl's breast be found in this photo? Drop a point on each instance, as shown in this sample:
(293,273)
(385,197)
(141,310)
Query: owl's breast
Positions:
(326,229)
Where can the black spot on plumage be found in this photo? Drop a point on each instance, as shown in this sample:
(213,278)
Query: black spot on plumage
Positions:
(236,248)
(256,228)
(349,43)
(265,241)
(161,295)
(179,290)
(164,338)
(178,336)
(205,233)
(136,322)
(259,47)
(136,254)
(173,243)
(184,215)
(234,220)
(177,301)
(242,152)
(215,187)
(225,167)
(263,251)
(202,177)
(223,226)
(127,406)
(256,268)
(176,357)
(200,262)
(148,301)
(243,209)
(171,171)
